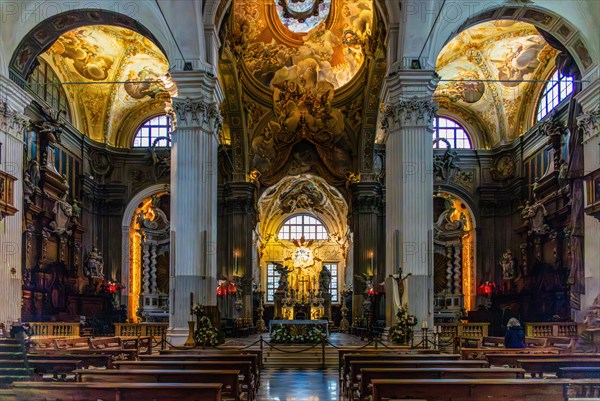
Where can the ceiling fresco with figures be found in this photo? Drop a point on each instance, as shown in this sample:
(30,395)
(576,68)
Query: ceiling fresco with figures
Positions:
(98,55)
(327,48)
(501,51)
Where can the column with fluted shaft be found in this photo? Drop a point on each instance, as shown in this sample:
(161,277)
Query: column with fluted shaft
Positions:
(407,117)
(193,278)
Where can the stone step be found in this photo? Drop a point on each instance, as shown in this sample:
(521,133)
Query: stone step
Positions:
(12,363)
(7,371)
(10,347)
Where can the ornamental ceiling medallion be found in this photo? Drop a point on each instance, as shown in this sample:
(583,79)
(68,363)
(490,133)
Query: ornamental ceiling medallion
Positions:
(303,59)
(104,53)
(504,51)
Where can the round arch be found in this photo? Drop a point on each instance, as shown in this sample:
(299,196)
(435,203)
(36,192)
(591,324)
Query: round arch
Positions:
(553,22)
(37,39)
(128,216)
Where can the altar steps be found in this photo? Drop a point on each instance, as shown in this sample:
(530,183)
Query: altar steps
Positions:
(298,356)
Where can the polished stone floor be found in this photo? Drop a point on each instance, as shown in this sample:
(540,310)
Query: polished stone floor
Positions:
(299,385)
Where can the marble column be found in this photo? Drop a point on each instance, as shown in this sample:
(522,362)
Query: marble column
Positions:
(589,125)
(368,250)
(240,220)
(407,119)
(12,126)
(193,278)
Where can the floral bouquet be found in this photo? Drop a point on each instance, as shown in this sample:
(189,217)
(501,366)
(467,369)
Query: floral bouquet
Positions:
(402,333)
(206,333)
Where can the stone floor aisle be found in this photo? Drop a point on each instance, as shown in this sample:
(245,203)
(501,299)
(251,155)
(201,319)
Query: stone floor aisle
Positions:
(299,385)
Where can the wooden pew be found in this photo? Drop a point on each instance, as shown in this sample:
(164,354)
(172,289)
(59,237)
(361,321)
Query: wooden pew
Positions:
(207,357)
(510,359)
(478,389)
(364,356)
(58,367)
(229,378)
(218,351)
(108,343)
(369,374)
(480,353)
(563,344)
(370,349)
(350,382)
(97,361)
(579,372)
(551,365)
(245,367)
(34,391)
(71,343)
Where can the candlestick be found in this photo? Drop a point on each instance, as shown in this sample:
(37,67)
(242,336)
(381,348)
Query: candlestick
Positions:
(191,303)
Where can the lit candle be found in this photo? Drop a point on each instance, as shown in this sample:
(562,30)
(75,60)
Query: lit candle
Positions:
(235,264)
(424,325)
(371,262)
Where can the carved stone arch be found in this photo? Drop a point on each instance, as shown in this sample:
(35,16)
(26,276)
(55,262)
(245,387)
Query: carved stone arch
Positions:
(128,216)
(553,23)
(45,33)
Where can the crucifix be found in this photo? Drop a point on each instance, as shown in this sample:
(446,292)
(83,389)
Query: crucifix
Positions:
(303,282)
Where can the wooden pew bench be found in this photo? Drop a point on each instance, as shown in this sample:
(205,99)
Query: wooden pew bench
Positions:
(59,368)
(351,381)
(107,343)
(510,359)
(249,383)
(401,349)
(552,365)
(480,353)
(71,343)
(97,361)
(562,344)
(218,351)
(229,378)
(34,391)
(364,356)
(479,389)
(579,372)
(369,374)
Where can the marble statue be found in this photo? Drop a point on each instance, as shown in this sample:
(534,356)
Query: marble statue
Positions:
(508,265)
(94,264)
(63,212)
(325,279)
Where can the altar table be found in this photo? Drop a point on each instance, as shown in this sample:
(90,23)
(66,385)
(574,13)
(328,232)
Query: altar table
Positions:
(321,322)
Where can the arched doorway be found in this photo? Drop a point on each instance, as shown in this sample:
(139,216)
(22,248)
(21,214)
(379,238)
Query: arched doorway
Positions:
(303,247)
(454,257)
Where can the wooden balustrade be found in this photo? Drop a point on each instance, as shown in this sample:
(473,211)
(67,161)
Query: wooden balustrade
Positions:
(140,329)
(54,329)
(469,330)
(551,329)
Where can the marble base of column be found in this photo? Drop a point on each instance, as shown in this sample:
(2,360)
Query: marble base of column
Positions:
(420,298)
(182,304)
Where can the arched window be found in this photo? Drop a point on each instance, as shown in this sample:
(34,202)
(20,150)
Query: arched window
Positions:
(154,132)
(451,131)
(45,83)
(557,89)
(303,225)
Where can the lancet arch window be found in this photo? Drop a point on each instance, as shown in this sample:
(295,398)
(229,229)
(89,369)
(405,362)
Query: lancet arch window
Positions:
(154,132)
(557,89)
(303,225)
(446,129)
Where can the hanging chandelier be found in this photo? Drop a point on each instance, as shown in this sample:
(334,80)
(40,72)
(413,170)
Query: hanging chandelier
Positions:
(300,10)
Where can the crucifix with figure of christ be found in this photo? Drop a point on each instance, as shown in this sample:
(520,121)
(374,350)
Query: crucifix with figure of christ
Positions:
(303,282)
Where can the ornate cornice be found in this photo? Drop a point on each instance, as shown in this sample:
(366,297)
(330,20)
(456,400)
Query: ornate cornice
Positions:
(409,113)
(589,123)
(12,122)
(194,113)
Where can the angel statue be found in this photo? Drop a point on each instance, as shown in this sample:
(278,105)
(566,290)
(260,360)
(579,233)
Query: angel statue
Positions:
(283,277)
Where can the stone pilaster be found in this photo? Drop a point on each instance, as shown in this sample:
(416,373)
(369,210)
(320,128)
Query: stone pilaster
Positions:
(407,118)
(12,126)
(589,126)
(368,249)
(196,119)
(239,217)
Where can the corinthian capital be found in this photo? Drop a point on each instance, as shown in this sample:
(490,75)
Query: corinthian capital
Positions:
(12,122)
(589,123)
(408,113)
(194,113)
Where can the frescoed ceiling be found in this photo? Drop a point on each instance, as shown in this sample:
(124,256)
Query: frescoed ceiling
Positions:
(501,51)
(91,58)
(326,47)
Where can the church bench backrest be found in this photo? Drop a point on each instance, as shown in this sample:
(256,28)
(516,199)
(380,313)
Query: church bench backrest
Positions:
(42,391)
(71,342)
(539,366)
(370,349)
(229,378)
(216,351)
(481,353)
(566,344)
(44,343)
(356,366)
(476,389)
(87,360)
(368,374)
(534,342)
(489,341)
(349,358)
(511,358)
(105,343)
